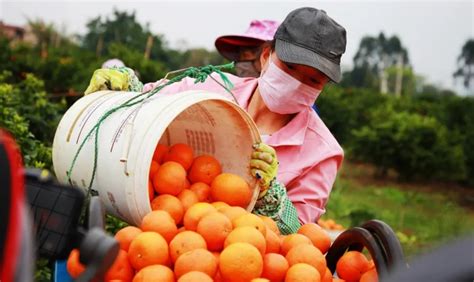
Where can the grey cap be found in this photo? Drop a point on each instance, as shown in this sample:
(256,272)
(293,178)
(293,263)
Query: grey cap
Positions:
(308,36)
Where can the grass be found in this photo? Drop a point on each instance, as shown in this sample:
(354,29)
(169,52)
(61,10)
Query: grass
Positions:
(422,217)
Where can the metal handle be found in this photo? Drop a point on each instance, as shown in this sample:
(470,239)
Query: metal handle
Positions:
(98,252)
(96,216)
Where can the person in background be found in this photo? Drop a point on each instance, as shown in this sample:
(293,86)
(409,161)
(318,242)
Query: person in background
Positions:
(298,162)
(113,63)
(114,80)
(244,49)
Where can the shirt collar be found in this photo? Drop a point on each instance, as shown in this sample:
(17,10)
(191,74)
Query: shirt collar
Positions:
(245,89)
(293,133)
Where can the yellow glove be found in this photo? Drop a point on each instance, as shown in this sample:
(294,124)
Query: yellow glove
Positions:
(108,79)
(264,166)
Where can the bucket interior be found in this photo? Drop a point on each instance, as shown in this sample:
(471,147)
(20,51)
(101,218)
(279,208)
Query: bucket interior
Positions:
(220,129)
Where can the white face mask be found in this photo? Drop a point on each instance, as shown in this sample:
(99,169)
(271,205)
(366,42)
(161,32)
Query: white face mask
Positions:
(283,93)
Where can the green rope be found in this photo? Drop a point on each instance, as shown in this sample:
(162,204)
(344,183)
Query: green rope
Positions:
(200,74)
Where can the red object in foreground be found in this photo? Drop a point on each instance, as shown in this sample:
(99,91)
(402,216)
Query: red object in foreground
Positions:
(11,204)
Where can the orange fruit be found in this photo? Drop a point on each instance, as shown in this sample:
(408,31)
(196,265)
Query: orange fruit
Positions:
(302,272)
(160,222)
(151,191)
(204,169)
(317,235)
(330,223)
(240,262)
(292,240)
(275,267)
(247,234)
(184,242)
(196,260)
(195,276)
(218,277)
(187,198)
(214,228)
(187,184)
(73,265)
(231,189)
(219,205)
(370,276)
(327,276)
(153,169)
(195,213)
(249,219)
(125,235)
(170,204)
(352,265)
(232,212)
(259,280)
(121,268)
(159,153)
(202,190)
(322,223)
(270,223)
(170,178)
(169,262)
(180,153)
(216,255)
(146,249)
(154,272)
(371,264)
(308,254)
(273,242)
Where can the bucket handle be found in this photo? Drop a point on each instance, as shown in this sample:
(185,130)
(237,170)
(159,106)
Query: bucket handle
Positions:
(128,129)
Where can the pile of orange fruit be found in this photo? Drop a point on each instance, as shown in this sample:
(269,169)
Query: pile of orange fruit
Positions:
(330,224)
(200,231)
(175,171)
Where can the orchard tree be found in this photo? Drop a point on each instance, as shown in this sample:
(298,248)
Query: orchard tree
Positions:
(200,57)
(123,28)
(374,57)
(465,69)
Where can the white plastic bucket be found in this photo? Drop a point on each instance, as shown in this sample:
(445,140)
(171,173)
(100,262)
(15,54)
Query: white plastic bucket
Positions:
(208,122)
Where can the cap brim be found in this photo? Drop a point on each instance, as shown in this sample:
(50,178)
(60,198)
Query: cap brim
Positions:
(228,45)
(291,53)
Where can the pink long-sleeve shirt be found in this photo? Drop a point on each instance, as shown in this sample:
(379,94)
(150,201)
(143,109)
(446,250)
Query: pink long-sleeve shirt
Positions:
(308,153)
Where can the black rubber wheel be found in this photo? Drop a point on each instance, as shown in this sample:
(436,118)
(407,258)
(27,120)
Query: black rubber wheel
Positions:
(357,239)
(388,241)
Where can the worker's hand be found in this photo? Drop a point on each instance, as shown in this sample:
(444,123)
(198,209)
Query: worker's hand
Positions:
(276,205)
(119,79)
(264,166)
